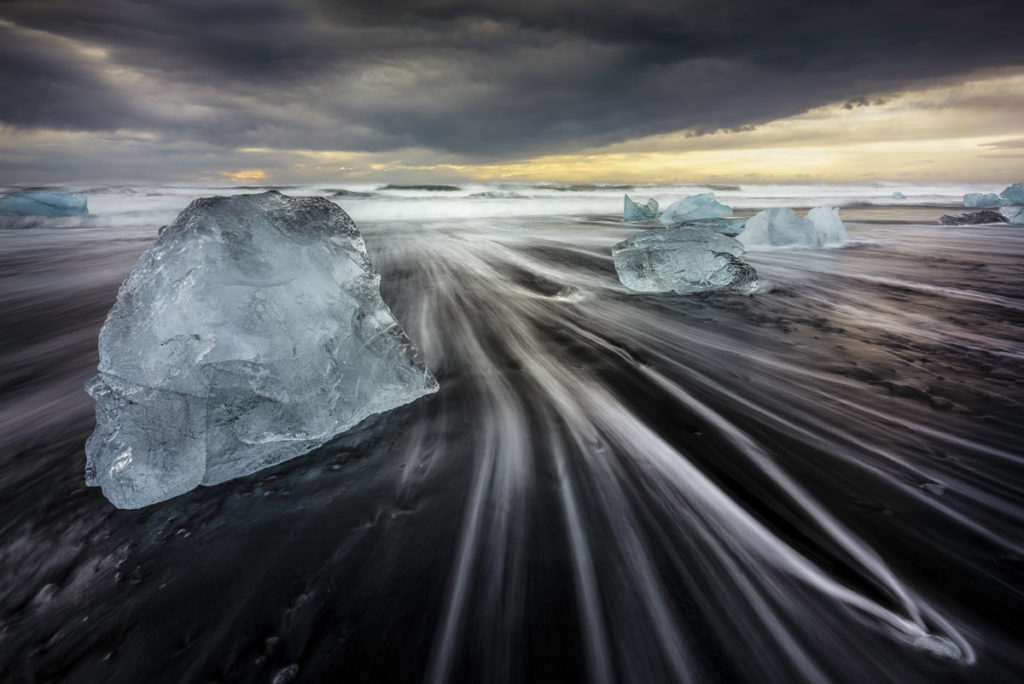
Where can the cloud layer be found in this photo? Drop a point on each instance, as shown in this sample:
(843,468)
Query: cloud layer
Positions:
(485,81)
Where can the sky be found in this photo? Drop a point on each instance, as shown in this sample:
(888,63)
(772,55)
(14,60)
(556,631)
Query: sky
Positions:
(293,91)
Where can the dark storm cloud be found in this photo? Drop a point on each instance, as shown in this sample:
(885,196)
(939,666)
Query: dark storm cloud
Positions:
(41,86)
(485,79)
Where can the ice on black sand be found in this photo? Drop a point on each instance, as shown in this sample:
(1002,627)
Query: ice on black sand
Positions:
(702,206)
(640,209)
(682,260)
(781,227)
(250,332)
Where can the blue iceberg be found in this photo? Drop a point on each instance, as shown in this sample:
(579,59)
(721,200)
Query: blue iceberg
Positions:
(700,206)
(43,203)
(1013,194)
(977,200)
(898,195)
(640,209)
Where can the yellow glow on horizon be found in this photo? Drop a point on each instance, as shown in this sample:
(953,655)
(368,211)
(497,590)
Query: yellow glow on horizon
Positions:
(244,175)
(939,132)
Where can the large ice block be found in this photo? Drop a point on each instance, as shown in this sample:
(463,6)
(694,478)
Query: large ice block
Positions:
(700,206)
(43,203)
(640,209)
(782,227)
(682,260)
(250,332)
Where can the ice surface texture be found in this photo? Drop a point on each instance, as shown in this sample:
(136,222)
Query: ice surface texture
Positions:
(701,206)
(43,203)
(250,332)
(1013,214)
(682,260)
(782,227)
(721,225)
(981,199)
(640,209)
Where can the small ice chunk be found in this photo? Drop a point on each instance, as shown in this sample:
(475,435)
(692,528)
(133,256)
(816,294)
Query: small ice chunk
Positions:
(682,260)
(976,200)
(1013,194)
(782,227)
(640,209)
(1013,214)
(250,332)
(828,224)
(43,203)
(898,195)
(699,206)
(721,225)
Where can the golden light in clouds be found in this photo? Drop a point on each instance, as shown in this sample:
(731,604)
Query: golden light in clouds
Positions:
(244,175)
(971,131)
(961,132)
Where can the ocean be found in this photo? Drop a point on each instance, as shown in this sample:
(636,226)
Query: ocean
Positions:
(822,481)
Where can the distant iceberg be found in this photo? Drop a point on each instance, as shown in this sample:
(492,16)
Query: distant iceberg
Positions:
(898,195)
(782,227)
(700,206)
(640,209)
(684,261)
(43,203)
(250,332)
(976,200)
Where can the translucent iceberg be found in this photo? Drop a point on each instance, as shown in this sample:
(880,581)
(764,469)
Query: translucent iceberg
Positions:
(1013,194)
(828,225)
(43,203)
(898,195)
(640,209)
(981,199)
(682,260)
(782,227)
(250,332)
(1013,214)
(699,206)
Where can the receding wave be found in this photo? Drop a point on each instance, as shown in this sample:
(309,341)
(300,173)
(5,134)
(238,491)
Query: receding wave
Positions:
(818,482)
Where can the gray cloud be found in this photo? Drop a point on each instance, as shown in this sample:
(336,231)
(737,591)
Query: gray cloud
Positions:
(42,85)
(485,80)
